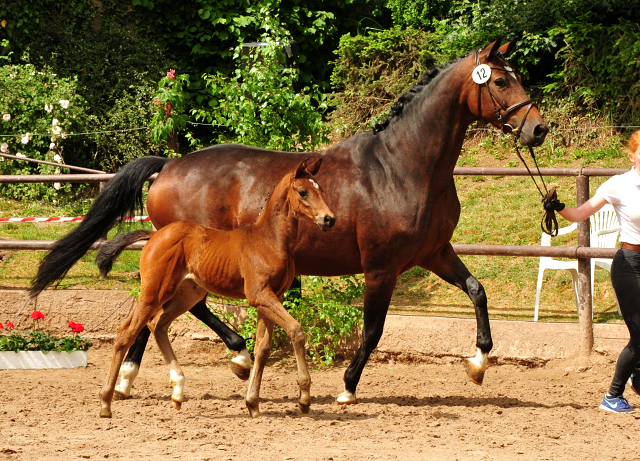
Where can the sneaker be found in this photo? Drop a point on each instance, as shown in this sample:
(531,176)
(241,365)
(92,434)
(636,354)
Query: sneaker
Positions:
(616,405)
(634,381)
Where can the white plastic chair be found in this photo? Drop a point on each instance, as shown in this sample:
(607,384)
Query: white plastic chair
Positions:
(604,230)
(547,262)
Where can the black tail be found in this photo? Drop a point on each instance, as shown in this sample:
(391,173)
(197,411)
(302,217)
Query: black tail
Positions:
(120,197)
(110,250)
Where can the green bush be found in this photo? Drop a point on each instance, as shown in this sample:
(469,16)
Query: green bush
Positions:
(38,109)
(418,14)
(260,106)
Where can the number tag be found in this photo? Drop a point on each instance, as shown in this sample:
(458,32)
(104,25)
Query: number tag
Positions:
(481,74)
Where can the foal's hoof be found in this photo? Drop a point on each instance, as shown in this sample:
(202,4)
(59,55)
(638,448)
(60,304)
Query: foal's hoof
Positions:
(177,404)
(241,365)
(347,398)
(105,413)
(304,408)
(117,395)
(473,372)
(254,412)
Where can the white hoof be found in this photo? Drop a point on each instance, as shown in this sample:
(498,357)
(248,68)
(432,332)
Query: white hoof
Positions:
(346,398)
(177,381)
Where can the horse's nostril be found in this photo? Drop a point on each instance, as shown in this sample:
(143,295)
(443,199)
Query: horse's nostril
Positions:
(540,131)
(329,221)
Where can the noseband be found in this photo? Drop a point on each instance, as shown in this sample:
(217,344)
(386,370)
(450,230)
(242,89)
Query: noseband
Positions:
(549,224)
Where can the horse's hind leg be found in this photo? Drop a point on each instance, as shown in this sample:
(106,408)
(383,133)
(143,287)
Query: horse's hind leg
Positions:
(447,265)
(131,365)
(241,363)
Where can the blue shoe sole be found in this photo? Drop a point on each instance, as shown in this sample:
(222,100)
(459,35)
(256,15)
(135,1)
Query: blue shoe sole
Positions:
(605,408)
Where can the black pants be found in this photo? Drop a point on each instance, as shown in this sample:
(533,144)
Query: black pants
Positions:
(625,277)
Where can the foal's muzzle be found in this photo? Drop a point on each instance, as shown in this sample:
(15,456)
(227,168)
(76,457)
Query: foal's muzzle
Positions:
(326,221)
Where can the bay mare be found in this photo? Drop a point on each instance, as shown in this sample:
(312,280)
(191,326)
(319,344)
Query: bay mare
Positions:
(391,189)
(183,261)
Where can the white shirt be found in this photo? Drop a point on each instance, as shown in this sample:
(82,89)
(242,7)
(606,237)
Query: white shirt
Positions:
(623,192)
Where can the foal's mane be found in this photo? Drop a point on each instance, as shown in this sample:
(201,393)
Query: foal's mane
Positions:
(410,95)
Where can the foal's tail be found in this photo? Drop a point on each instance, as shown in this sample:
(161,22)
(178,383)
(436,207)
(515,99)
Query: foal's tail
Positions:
(110,250)
(120,197)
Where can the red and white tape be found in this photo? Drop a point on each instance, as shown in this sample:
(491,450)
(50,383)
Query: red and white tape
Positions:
(76,219)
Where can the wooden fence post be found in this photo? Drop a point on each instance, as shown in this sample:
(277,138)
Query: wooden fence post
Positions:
(584,273)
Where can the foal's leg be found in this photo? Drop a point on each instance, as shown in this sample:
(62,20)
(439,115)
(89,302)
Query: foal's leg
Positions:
(271,309)
(261,351)
(447,265)
(131,365)
(186,296)
(377,296)
(127,333)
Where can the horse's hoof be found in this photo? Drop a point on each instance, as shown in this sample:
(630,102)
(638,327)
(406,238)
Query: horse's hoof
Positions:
(241,365)
(254,412)
(176,403)
(240,371)
(104,413)
(474,373)
(347,398)
(304,408)
(117,395)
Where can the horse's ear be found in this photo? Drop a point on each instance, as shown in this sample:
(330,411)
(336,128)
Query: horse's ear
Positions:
(506,49)
(314,167)
(301,168)
(491,49)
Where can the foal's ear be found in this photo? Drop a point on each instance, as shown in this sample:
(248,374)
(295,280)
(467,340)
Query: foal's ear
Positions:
(301,168)
(314,167)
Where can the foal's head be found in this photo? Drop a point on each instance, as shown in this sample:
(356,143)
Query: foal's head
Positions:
(305,196)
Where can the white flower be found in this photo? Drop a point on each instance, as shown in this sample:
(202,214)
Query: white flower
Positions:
(54,122)
(25,139)
(6,117)
(64,103)
(56,185)
(48,108)
(63,135)
(56,130)
(20,155)
(4,147)
(57,158)
(52,146)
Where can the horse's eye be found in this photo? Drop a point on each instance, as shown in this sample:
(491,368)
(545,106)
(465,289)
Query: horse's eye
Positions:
(500,82)
(303,193)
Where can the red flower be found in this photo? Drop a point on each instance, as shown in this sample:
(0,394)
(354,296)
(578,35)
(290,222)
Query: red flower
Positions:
(171,74)
(37,315)
(1,327)
(76,327)
(10,326)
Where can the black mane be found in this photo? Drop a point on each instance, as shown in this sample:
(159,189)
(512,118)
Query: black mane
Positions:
(409,95)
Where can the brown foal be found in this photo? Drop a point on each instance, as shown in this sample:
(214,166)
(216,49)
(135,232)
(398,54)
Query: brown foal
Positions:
(183,261)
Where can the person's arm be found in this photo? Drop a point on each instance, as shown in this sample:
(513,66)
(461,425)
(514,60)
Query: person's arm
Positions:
(585,210)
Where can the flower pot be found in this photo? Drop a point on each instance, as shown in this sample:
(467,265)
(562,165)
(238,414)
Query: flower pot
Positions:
(29,360)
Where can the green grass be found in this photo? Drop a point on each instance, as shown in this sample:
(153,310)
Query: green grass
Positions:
(495,210)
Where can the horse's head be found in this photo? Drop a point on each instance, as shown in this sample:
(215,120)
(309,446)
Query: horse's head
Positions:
(497,95)
(305,195)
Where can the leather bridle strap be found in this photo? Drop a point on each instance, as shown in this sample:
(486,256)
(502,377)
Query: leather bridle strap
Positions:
(549,223)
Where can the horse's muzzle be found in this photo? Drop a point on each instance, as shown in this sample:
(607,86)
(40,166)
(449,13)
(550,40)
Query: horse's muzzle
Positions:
(326,222)
(536,137)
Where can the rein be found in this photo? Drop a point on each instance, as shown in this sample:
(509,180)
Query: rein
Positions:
(549,223)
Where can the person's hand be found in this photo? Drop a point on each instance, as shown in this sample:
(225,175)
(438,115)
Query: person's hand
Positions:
(555,205)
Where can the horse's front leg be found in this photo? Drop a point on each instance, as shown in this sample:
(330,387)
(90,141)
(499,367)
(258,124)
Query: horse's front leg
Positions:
(261,351)
(377,295)
(447,265)
(241,363)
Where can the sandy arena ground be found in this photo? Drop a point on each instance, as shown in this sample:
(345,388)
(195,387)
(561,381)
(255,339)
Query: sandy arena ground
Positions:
(406,411)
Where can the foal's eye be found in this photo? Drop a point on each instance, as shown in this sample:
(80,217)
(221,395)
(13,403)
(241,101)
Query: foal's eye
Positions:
(303,193)
(501,82)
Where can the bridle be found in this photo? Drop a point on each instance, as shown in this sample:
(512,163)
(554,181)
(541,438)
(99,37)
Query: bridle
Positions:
(549,224)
